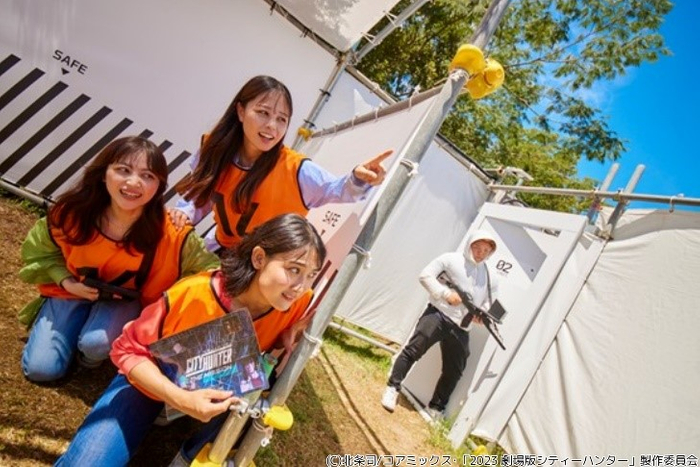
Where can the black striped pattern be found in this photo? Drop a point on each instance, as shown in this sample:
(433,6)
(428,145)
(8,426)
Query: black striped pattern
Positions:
(19,123)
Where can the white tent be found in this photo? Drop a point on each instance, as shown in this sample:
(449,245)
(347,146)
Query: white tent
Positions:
(620,377)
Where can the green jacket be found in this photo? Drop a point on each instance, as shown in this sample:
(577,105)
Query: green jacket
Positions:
(44,263)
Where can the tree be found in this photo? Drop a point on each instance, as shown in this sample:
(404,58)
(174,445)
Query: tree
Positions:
(552,51)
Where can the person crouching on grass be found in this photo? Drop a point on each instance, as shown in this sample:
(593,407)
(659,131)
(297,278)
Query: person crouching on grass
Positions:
(269,272)
(111,227)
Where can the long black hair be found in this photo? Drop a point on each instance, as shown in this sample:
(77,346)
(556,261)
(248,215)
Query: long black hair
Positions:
(224,141)
(281,234)
(77,211)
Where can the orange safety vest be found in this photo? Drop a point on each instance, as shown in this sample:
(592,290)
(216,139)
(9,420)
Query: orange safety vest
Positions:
(106,260)
(279,193)
(197,299)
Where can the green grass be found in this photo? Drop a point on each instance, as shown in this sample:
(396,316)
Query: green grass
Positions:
(379,361)
(374,358)
(24,203)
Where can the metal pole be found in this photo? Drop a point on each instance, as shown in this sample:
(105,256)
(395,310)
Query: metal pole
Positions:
(379,112)
(616,195)
(15,190)
(352,263)
(323,97)
(622,204)
(393,24)
(362,337)
(603,187)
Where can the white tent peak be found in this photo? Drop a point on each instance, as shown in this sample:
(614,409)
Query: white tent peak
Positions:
(341,23)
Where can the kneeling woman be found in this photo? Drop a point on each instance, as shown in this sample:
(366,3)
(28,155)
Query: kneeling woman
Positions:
(269,272)
(111,228)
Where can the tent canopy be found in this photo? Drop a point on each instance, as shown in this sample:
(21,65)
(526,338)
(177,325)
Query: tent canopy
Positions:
(340,23)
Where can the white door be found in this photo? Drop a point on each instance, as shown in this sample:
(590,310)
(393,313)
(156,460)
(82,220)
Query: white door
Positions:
(533,246)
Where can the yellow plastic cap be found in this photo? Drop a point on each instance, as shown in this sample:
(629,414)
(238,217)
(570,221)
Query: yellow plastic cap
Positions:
(304,133)
(279,417)
(470,58)
(480,450)
(486,82)
(202,459)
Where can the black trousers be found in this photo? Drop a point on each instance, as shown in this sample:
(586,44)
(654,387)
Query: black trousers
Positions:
(434,327)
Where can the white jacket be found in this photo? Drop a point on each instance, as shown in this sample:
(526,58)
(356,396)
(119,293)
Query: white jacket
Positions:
(465,273)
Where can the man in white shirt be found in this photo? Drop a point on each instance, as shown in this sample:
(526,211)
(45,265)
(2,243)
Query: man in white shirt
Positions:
(440,323)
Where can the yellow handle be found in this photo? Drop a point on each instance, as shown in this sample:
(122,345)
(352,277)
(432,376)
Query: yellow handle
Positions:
(304,133)
(480,450)
(279,417)
(202,459)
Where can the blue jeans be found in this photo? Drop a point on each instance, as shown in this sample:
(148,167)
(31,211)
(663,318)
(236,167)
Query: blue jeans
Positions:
(114,428)
(118,423)
(64,326)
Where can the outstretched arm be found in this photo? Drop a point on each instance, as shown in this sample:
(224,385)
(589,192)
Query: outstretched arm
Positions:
(319,186)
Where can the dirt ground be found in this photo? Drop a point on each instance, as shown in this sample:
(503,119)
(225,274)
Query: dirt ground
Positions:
(335,403)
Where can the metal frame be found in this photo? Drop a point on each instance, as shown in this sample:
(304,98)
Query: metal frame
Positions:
(352,263)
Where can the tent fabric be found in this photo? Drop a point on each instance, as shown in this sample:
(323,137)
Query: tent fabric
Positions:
(431,217)
(169,75)
(385,297)
(340,224)
(342,23)
(621,377)
(535,344)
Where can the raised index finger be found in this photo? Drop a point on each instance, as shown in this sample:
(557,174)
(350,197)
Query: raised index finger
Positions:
(378,159)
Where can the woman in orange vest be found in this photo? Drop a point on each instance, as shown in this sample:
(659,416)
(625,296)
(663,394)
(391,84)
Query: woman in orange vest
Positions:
(269,272)
(246,175)
(105,249)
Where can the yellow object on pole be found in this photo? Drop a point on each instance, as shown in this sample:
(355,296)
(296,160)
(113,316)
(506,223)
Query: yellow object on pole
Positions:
(480,450)
(305,133)
(202,459)
(485,74)
(476,450)
(469,58)
(487,81)
(279,417)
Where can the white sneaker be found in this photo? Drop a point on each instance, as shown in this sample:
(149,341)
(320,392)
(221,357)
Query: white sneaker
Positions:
(391,395)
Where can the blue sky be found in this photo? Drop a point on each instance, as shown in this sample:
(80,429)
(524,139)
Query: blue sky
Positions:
(656,109)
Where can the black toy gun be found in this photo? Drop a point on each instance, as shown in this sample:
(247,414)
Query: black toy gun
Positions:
(111,292)
(488,320)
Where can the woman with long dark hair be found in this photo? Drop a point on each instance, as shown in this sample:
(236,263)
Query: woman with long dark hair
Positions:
(104,250)
(246,175)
